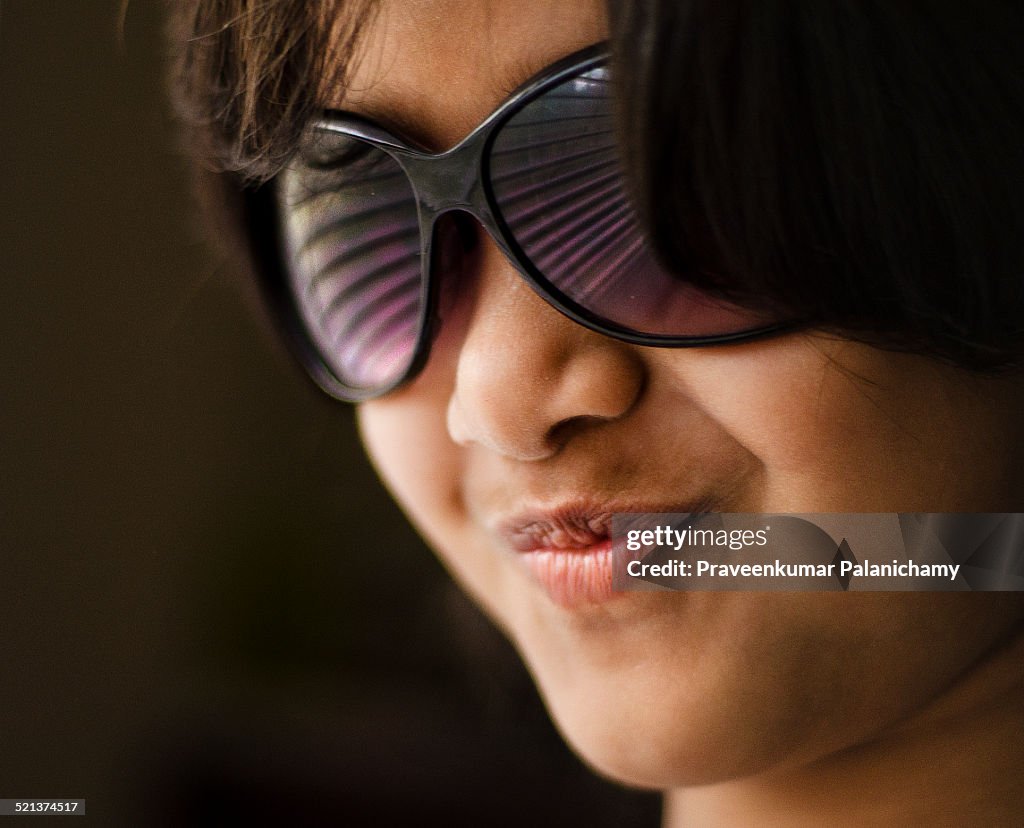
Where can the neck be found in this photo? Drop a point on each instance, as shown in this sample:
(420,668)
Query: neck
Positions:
(958,761)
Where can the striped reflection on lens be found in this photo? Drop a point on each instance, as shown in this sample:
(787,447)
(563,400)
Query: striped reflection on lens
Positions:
(558,184)
(351,236)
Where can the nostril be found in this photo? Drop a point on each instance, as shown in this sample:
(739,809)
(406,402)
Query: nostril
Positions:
(564,431)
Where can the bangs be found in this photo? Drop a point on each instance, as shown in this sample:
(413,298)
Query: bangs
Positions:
(248,76)
(854,165)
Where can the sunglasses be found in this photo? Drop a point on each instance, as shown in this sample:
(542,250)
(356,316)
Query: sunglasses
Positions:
(354,270)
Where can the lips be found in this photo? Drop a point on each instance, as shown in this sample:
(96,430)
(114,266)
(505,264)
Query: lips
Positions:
(568,550)
(563,529)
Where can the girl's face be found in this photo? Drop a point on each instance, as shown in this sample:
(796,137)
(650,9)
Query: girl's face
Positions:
(525,430)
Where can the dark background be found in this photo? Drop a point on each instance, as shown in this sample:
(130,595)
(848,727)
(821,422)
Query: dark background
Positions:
(210,610)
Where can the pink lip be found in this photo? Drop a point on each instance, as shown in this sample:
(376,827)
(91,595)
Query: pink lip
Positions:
(573,577)
(573,528)
(568,550)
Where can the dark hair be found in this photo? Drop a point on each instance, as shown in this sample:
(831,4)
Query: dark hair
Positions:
(857,164)
(248,75)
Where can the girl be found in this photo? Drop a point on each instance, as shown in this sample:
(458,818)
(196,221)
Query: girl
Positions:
(681,257)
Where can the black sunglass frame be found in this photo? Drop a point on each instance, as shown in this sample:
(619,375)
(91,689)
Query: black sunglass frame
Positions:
(454,180)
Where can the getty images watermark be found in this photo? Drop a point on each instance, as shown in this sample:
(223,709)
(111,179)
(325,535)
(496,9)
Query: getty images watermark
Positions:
(810,552)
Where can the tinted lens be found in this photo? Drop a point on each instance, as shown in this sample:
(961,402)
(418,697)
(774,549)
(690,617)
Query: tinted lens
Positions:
(351,236)
(557,181)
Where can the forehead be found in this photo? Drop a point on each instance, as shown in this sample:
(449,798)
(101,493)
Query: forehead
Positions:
(436,68)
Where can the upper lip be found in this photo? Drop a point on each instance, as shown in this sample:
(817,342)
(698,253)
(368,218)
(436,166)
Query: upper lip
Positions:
(566,527)
(573,526)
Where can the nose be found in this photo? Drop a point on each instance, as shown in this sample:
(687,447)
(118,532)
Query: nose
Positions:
(528,378)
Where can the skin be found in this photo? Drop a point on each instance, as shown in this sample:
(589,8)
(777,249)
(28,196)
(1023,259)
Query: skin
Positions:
(747,707)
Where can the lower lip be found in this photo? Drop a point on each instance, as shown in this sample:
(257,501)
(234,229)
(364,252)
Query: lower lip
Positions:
(574,577)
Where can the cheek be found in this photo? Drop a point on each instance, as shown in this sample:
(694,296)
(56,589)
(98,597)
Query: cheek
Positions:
(839,426)
(406,438)
(727,685)
(782,398)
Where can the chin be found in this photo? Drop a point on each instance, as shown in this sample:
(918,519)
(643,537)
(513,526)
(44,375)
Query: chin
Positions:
(653,710)
(643,739)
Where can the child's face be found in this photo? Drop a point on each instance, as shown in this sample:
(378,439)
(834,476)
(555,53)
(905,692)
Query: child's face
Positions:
(526,425)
